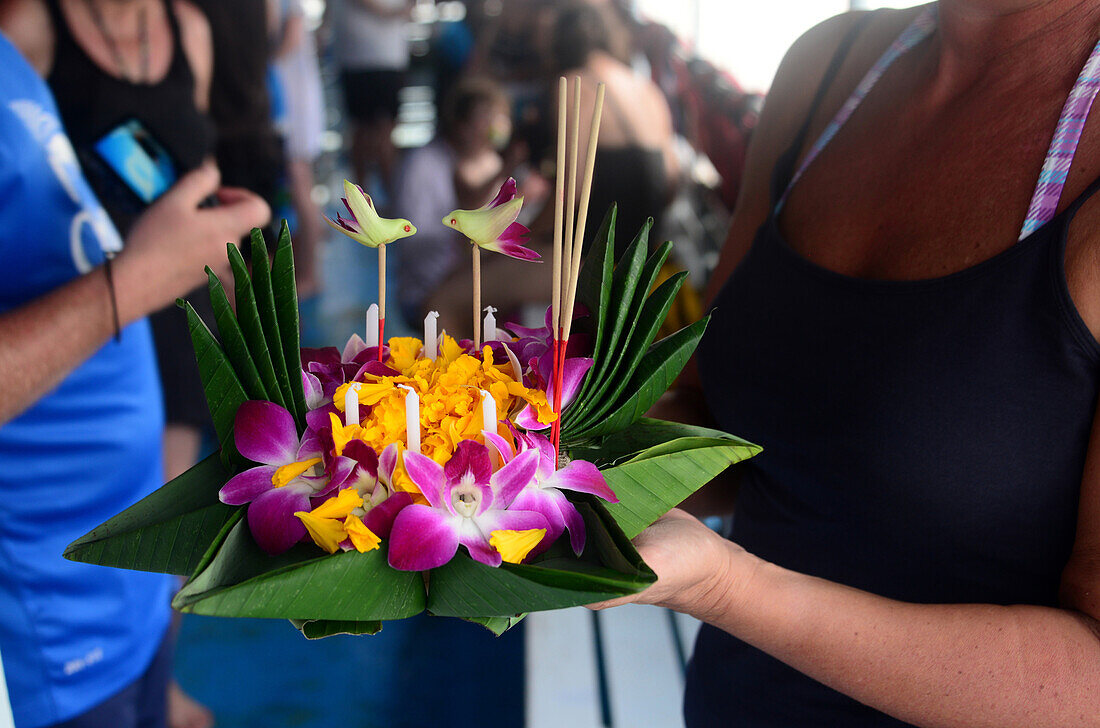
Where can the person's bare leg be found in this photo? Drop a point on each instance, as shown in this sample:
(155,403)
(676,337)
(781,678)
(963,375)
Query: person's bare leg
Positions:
(361,151)
(181,449)
(186,712)
(308,235)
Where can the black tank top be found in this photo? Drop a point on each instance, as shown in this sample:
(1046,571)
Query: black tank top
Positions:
(923,440)
(93,102)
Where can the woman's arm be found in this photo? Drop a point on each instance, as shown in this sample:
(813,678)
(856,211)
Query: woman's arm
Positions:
(931,665)
(165,252)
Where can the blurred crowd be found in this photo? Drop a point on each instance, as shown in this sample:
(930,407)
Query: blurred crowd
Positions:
(436,104)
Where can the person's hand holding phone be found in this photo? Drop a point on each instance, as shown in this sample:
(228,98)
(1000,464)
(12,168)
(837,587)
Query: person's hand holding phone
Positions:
(170,245)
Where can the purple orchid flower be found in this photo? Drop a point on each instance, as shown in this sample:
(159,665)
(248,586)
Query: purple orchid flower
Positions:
(467,503)
(332,367)
(372,478)
(494,227)
(545,495)
(288,477)
(535,347)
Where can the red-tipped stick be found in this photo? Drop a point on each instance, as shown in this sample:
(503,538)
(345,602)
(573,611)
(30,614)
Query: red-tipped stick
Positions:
(381,299)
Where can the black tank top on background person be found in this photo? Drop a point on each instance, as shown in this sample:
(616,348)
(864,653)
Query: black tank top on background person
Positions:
(92,102)
(923,440)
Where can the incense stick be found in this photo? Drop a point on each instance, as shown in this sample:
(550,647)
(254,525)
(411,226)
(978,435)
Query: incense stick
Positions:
(559,208)
(571,192)
(582,214)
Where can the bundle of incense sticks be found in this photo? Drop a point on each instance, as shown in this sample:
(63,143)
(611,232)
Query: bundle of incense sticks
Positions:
(569,240)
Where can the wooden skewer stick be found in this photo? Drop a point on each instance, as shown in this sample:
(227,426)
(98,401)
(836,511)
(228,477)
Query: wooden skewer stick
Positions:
(477,298)
(381,298)
(582,214)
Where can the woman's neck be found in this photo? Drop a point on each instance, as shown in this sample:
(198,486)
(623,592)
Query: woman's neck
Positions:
(976,38)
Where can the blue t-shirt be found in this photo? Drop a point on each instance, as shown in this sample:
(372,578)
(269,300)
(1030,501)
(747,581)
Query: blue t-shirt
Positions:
(71,635)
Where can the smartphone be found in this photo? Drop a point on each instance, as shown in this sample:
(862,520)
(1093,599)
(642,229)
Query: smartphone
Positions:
(137,159)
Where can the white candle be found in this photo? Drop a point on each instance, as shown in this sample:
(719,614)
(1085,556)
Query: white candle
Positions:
(489,327)
(372,326)
(351,405)
(489,422)
(412,418)
(431,338)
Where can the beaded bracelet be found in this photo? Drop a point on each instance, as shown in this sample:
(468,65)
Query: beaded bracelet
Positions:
(111,288)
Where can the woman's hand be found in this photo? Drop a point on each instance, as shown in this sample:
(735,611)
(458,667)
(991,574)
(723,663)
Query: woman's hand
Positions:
(698,572)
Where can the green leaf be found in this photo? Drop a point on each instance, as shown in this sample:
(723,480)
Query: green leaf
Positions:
(649,322)
(608,567)
(167,531)
(224,393)
(661,477)
(265,305)
(497,625)
(248,315)
(645,434)
(644,317)
(286,311)
(656,373)
(315,629)
(594,280)
(624,282)
(241,580)
(233,340)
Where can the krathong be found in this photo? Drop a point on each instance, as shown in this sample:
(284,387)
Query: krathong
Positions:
(480,480)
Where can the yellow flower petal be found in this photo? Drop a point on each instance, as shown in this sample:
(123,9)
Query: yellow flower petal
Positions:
(341,435)
(339,505)
(515,545)
(362,538)
(287,473)
(325,532)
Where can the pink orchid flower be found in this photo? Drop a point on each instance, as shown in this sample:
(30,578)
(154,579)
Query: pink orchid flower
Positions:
(467,503)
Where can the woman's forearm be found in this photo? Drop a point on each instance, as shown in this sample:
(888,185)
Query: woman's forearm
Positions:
(930,665)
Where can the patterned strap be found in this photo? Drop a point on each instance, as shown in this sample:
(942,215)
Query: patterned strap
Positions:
(917,31)
(1048,192)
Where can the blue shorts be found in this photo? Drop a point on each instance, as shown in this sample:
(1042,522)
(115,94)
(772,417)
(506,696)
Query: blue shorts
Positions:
(141,704)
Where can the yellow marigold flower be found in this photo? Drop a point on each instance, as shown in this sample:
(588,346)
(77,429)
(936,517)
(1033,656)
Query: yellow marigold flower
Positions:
(404,351)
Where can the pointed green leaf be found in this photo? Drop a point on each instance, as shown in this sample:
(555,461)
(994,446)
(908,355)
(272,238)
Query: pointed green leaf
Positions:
(645,434)
(658,479)
(233,340)
(248,316)
(658,370)
(497,625)
(594,280)
(265,305)
(224,393)
(608,567)
(648,325)
(619,364)
(315,629)
(286,311)
(304,583)
(167,531)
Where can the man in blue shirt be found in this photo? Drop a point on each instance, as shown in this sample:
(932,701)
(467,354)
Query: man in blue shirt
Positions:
(80,412)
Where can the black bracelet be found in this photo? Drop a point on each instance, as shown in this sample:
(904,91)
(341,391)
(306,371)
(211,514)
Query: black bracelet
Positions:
(111,289)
